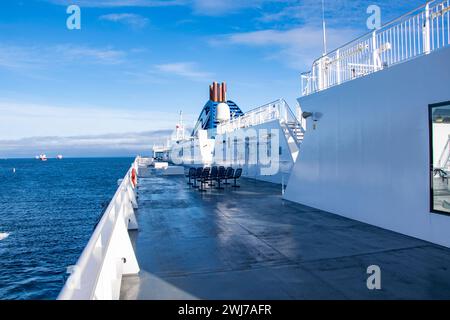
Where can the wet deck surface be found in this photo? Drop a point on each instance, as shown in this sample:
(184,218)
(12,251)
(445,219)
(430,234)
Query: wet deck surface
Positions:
(250,244)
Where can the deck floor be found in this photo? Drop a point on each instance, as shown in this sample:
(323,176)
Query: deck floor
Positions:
(251,244)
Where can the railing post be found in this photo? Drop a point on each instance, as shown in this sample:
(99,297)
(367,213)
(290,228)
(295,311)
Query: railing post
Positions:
(320,75)
(374,50)
(302,84)
(338,66)
(427,31)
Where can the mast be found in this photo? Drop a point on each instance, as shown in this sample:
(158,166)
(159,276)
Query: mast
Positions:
(180,129)
(324,27)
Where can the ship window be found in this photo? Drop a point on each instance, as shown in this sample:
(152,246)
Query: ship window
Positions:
(440,157)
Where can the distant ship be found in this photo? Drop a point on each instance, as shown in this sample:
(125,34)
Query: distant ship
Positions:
(42,157)
(59,157)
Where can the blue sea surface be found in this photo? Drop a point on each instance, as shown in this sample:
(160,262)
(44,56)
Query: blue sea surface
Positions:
(47,214)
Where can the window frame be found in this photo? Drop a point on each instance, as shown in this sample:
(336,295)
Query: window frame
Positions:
(430,158)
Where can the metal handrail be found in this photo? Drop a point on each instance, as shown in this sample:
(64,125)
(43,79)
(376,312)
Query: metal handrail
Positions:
(85,281)
(418,32)
(291,118)
(275,110)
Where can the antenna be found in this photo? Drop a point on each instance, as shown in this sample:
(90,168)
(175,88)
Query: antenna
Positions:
(181,128)
(324,26)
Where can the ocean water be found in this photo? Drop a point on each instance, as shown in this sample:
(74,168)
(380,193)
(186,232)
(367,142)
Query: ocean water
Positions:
(47,214)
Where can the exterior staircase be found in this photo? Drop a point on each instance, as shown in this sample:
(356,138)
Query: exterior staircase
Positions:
(297,130)
(292,129)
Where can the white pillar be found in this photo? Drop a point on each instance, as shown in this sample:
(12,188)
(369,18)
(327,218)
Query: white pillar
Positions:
(427,31)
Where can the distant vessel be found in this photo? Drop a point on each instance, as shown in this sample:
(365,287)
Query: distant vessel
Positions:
(42,157)
(59,157)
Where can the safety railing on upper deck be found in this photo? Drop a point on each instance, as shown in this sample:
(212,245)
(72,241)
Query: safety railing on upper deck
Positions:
(109,253)
(416,33)
(276,110)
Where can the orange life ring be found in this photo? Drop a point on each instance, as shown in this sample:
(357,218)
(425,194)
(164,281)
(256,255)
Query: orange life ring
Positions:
(134,177)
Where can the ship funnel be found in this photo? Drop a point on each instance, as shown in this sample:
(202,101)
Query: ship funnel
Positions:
(218,92)
(222,112)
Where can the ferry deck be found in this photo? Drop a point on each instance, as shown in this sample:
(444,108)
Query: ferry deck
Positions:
(376,149)
(248,243)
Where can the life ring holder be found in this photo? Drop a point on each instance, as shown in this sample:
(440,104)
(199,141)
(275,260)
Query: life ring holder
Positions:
(134,177)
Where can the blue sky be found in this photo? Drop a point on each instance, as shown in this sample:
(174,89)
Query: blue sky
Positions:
(136,63)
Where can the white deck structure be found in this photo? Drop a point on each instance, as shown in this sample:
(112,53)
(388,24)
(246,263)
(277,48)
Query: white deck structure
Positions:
(235,143)
(368,154)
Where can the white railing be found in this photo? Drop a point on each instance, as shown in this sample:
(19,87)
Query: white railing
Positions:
(277,110)
(109,253)
(416,33)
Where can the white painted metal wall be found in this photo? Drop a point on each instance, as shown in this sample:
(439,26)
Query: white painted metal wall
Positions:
(276,115)
(205,148)
(109,253)
(368,157)
(285,160)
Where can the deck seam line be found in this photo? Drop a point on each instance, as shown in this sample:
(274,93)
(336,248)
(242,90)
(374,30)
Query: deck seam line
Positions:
(364,254)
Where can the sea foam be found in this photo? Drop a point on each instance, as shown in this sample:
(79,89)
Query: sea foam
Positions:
(4,235)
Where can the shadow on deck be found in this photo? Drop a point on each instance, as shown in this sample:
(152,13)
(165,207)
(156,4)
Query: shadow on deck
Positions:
(250,244)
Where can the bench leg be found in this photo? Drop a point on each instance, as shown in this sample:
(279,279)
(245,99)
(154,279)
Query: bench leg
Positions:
(202,189)
(219,187)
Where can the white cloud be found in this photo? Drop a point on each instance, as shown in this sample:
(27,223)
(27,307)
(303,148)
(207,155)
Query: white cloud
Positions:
(297,47)
(16,57)
(201,7)
(19,58)
(219,7)
(120,3)
(337,12)
(127,143)
(291,12)
(130,19)
(184,69)
(20,120)
(89,54)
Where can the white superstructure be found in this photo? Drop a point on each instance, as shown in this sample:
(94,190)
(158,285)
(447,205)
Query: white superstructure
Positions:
(264,142)
(378,149)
